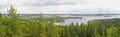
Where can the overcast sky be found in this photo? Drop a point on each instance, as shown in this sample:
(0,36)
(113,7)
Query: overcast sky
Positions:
(62,6)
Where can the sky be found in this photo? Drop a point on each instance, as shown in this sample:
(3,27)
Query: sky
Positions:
(62,6)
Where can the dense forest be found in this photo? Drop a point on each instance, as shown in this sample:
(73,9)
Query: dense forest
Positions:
(14,26)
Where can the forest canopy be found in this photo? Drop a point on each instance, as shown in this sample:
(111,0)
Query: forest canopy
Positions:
(13,26)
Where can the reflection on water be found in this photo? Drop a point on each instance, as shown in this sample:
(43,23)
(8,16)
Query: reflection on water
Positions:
(84,19)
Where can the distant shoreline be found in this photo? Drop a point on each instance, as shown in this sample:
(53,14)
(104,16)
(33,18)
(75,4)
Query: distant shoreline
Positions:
(64,14)
(85,19)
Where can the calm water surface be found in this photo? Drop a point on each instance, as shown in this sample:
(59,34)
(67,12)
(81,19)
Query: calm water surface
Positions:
(84,20)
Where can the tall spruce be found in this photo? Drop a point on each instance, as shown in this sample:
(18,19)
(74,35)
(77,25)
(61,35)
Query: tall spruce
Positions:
(12,12)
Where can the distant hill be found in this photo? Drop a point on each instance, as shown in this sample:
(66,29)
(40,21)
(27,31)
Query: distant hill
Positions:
(105,22)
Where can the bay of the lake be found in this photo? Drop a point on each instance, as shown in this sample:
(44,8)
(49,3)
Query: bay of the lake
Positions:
(84,19)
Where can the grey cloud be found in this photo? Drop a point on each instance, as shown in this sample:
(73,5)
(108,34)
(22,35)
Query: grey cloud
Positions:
(3,6)
(49,2)
(0,6)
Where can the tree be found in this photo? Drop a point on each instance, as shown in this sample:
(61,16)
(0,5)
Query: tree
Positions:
(0,14)
(12,12)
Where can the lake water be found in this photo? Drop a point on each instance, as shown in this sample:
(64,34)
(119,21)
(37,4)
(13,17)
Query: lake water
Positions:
(84,19)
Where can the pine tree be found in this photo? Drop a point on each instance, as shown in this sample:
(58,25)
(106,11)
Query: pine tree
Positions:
(0,14)
(12,13)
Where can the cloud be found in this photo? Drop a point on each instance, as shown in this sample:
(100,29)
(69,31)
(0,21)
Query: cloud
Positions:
(44,2)
(62,6)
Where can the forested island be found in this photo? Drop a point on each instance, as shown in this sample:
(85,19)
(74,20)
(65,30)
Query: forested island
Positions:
(14,26)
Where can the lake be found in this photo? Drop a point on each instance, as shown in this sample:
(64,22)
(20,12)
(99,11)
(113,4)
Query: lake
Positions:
(84,19)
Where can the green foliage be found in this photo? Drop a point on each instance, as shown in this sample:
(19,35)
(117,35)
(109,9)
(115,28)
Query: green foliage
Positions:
(13,26)
(12,13)
(113,32)
(0,14)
